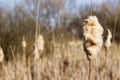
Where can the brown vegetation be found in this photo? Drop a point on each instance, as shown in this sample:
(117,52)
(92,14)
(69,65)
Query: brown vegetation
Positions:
(63,57)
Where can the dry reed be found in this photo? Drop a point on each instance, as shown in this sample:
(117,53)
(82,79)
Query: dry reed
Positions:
(1,54)
(93,40)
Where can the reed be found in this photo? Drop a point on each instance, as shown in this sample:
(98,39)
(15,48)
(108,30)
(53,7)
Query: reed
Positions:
(93,40)
(1,54)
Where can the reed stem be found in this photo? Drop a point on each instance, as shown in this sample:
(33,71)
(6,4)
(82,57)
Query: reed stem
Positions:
(89,75)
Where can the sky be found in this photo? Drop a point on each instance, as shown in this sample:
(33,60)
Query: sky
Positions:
(11,3)
(8,3)
(84,2)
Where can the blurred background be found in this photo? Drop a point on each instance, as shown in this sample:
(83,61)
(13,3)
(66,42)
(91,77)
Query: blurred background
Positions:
(59,20)
(64,17)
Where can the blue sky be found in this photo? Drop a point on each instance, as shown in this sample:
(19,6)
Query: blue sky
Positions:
(8,3)
(84,2)
(11,3)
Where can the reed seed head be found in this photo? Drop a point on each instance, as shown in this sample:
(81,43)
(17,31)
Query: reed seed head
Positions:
(36,54)
(93,40)
(1,54)
(108,40)
(24,42)
(40,43)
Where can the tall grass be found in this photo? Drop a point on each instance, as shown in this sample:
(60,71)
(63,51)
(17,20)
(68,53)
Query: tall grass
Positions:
(68,63)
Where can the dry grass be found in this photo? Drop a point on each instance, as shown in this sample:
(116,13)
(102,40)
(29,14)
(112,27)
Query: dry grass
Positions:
(67,63)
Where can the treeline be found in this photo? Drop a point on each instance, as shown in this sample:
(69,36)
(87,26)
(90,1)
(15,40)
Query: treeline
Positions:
(19,22)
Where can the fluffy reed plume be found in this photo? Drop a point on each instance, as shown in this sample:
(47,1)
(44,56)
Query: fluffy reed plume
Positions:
(107,43)
(1,54)
(39,47)
(23,42)
(93,40)
(40,43)
(36,54)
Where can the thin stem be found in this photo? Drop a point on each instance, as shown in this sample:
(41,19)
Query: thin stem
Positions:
(89,75)
(53,41)
(37,20)
(106,51)
(91,8)
(39,29)
(12,52)
(36,35)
